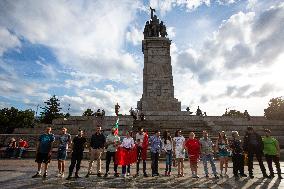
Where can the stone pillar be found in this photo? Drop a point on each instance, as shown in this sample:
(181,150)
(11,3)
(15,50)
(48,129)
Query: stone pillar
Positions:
(158,89)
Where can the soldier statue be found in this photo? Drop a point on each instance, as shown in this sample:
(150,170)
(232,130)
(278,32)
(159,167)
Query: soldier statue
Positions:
(116,109)
(198,112)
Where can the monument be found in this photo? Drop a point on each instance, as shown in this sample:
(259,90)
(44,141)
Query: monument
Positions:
(158,89)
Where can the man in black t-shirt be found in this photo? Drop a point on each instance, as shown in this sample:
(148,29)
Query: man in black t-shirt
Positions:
(78,146)
(253,145)
(96,149)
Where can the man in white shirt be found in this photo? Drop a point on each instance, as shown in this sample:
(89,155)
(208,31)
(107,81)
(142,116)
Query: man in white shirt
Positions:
(139,142)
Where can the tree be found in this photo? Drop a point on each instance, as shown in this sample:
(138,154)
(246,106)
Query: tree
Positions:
(88,112)
(275,109)
(234,113)
(51,110)
(13,118)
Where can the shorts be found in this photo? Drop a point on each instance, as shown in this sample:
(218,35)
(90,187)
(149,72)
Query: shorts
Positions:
(61,154)
(43,158)
(224,154)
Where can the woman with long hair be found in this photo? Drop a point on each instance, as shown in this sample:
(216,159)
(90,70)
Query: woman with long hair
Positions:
(168,148)
(179,151)
(222,146)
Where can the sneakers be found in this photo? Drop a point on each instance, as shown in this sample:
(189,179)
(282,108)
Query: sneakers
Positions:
(123,175)
(99,175)
(37,175)
(207,176)
(251,176)
(106,175)
(62,175)
(155,174)
(216,176)
(195,176)
(44,175)
(169,174)
(69,177)
(145,175)
(166,173)
(77,176)
(266,176)
(128,174)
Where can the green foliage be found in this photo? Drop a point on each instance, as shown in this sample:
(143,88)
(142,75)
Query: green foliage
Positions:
(234,113)
(51,110)
(13,118)
(67,115)
(88,112)
(275,109)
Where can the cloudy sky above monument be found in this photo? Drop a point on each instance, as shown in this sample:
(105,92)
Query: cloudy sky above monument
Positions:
(225,53)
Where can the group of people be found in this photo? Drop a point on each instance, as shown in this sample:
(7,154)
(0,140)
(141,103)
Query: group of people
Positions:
(133,150)
(16,149)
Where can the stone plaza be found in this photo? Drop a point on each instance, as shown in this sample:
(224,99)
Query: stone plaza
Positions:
(17,174)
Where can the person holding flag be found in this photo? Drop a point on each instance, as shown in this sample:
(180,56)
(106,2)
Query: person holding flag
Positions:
(112,143)
(142,146)
(126,154)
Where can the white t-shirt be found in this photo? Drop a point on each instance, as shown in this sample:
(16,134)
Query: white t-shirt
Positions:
(127,142)
(179,141)
(139,138)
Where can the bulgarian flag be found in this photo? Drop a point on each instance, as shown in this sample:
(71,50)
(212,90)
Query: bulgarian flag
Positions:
(116,127)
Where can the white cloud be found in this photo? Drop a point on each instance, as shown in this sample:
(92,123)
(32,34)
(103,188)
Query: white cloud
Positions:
(87,37)
(165,6)
(135,35)
(8,40)
(242,57)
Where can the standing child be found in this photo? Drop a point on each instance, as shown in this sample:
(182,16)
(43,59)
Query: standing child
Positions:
(168,148)
(223,149)
(179,151)
(193,148)
(237,155)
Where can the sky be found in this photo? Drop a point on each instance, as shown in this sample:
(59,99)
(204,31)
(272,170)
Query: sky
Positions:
(225,53)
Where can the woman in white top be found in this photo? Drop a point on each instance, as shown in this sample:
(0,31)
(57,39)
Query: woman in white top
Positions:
(179,151)
(128,144)
(168,148)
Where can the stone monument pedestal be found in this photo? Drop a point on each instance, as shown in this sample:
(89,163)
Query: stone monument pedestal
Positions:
(158,89)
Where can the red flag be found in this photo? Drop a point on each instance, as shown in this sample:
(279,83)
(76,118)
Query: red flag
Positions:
(145,147)
(125,157)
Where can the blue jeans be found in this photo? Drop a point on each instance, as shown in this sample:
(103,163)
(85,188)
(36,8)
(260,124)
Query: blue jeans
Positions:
(124,169)
(21,151)
(169,158)
(205,159)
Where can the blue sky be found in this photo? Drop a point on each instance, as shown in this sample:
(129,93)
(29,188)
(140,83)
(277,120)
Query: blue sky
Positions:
(225,53)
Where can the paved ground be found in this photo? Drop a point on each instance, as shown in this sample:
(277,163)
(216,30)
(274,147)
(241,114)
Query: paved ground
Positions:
(16,173)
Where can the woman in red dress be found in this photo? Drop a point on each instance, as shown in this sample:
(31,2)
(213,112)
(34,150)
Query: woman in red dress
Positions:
(193,149)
